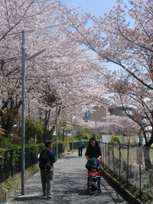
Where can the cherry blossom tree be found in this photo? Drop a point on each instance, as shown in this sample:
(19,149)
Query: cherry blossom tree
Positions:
(124,38)
(121,125)
(129,92)
(64,68)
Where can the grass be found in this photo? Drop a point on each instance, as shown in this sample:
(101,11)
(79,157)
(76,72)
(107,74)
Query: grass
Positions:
(144,198)
(133,168)
(132,154)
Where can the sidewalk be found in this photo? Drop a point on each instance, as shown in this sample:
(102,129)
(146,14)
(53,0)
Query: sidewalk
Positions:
(70,184)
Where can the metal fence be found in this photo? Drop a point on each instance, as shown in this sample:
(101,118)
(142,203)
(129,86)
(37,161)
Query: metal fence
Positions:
(131,163)
(10,160)
(75,145)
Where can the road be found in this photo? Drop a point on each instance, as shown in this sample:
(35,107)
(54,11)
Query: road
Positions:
(70,186)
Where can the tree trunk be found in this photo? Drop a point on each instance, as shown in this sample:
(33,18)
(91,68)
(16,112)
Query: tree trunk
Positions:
(147,158)
(46,120)
(146,153)
(8,120)
(51,131)
(63,132)
(150,142)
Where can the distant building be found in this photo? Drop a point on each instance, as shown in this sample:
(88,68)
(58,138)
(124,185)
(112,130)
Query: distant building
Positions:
(100,113)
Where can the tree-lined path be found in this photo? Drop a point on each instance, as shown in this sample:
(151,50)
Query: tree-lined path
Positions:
(70,179)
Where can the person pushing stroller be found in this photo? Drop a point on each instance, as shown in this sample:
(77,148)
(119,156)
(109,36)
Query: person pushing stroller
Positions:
(93,156)
(92,151)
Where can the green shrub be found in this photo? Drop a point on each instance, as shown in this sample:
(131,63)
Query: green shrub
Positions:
(5,143)
(33,128)
(80,132)
(115,139)
(86,136)
(87,130)
(50,137)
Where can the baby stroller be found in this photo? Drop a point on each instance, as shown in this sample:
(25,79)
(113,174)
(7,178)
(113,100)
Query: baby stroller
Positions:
(94,176)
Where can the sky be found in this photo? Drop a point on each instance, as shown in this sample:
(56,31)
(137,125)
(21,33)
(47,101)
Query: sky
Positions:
(95,7)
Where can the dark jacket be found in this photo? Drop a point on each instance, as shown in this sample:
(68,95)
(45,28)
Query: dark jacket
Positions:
(80,144)
(93,151)
(51,155)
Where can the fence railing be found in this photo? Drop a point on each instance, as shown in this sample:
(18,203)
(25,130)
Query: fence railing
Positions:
(10,160)
(75,145)
(131,163)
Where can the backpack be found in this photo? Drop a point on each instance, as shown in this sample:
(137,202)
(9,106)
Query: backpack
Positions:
(44,162)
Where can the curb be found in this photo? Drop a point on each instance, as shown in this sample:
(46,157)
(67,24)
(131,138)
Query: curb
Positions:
(9,193)
(119,189)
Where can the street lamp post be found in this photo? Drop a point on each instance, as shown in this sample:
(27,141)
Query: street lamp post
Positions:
(72,131)
(23,113)
(96,128)
(24,58)
(56,129)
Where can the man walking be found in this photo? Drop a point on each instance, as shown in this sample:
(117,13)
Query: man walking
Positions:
(46,160)
(80,147)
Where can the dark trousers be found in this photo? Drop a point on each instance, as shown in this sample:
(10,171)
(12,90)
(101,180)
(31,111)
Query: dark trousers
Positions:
(80,152)
(47,181)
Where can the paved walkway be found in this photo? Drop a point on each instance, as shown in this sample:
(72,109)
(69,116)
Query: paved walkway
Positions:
(70,184)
